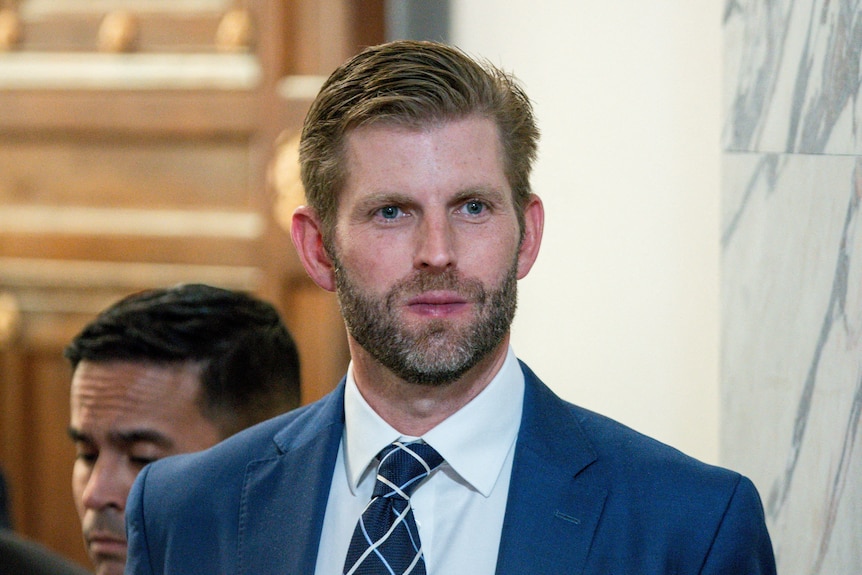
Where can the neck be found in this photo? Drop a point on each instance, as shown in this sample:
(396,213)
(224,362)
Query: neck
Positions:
(414,409)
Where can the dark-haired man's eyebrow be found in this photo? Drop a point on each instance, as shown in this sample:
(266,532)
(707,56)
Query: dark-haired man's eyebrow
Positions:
(129,437)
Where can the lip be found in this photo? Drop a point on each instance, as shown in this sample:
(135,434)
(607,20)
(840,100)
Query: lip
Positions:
(437,303)
(104,544)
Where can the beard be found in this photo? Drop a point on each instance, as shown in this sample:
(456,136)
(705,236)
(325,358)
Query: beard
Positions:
(438,352)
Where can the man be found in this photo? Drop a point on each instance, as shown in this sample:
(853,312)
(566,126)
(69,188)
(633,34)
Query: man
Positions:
(162,372)
(416,163)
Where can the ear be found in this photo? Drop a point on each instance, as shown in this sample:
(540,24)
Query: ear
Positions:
(534,225)
(305,231)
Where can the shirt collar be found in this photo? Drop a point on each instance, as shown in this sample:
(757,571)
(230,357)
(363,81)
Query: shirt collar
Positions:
(474,441)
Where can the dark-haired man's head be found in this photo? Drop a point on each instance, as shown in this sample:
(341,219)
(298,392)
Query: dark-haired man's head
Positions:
(162,372)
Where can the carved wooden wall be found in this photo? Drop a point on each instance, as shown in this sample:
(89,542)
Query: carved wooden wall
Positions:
(137,150)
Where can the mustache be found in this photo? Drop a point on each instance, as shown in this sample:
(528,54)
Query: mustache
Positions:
(105,523)
(450,280)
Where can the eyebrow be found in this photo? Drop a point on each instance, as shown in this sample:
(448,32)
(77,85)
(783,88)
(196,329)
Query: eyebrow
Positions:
(481,193)
(486,193)
(383,198)
(129,437)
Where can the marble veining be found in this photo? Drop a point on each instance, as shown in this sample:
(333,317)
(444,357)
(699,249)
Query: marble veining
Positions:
(764,29)
(791,241)
(766,168)
(841,477)
(792,76)
(792,350)
(835,317)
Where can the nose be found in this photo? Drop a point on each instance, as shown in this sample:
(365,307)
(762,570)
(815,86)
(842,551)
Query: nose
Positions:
(435,244)
(108,485)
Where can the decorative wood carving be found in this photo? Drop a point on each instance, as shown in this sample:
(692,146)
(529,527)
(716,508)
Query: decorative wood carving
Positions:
(235,31)
(10,29)
(119,32)
(10,319)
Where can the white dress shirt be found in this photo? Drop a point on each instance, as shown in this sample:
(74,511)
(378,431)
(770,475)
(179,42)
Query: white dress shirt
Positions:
(459,509)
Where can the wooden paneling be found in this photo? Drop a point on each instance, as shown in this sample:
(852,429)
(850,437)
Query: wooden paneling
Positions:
(220,250)
(166,113)
(45,453)
(314,313)
(102,170)
(120,172)
(34,395)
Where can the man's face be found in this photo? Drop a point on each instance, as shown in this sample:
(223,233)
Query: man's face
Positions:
(123,416)
(426,247)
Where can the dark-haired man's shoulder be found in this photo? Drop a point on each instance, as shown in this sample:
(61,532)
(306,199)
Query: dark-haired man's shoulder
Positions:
(19,556)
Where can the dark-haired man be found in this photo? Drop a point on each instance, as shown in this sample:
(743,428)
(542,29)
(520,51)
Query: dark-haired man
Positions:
(440,452)
(162,372)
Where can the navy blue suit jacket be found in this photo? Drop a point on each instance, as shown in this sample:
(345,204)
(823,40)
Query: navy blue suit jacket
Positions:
(587,496)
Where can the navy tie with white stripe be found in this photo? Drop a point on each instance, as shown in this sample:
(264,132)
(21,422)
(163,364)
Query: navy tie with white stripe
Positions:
(386,541)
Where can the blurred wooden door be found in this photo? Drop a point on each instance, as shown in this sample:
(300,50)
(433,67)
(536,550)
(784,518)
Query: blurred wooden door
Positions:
(135,142)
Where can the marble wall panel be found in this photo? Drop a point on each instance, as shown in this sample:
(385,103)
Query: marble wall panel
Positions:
(792,350)
(792,78)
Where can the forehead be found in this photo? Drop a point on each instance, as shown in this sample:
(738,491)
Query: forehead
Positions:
(113,394)
(468,147)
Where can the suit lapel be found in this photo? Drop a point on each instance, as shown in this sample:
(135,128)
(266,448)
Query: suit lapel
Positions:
(284,498)
(554,500)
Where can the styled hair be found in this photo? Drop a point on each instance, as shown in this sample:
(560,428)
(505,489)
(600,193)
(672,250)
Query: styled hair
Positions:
(249,365)
(412,84)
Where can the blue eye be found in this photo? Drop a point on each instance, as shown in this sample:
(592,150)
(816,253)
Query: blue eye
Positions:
(474,207)
(389,212)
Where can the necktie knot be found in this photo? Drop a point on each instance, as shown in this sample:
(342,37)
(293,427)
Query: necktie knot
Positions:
(402,468)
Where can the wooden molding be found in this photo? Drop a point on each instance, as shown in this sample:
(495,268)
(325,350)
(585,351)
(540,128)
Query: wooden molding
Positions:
(130,222)
(21,272)
(94,71)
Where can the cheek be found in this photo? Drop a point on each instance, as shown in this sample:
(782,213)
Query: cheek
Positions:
(374,267)
(490,258)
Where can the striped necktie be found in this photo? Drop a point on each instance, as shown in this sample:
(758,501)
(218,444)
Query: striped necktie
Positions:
(386,541)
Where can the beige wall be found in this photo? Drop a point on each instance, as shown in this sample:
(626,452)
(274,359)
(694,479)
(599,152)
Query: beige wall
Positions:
(620,314)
